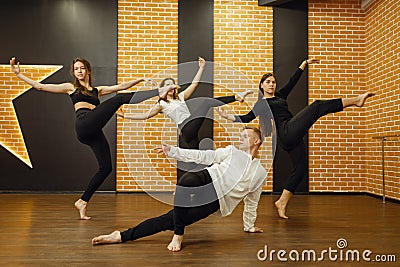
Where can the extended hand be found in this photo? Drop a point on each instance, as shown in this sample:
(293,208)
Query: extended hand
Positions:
(150,81)
(222,112)
(312,61)
(164,149)
(14,68)
(202,62)
(120,112)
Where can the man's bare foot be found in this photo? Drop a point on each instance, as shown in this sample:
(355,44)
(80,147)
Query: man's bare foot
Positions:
(176,242)
(114,237)
(281,209)
(361,98)
(80,205)
(241,96)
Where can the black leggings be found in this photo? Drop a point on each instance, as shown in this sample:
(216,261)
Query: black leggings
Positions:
(179,217)
(89,125)
(189,137)
(198,114)
(291,134)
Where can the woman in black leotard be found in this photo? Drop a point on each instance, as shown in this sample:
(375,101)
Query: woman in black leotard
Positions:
(91,115)
(291,129)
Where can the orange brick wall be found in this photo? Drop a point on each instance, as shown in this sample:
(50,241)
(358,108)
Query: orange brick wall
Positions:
(337,142)
(354,53)
(359,51)
(147,46)
(242,53)
(383,76)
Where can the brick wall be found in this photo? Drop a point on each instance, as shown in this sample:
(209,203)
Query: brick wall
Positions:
(147,45)
(382,29)
(359,51)
(355,52)
(337,142)
(242,53)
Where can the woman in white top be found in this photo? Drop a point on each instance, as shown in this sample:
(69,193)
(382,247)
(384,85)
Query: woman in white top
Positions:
(188,118)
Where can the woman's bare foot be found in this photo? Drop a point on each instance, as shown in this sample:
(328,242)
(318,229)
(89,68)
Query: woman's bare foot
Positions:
(282,202)
(281,209)
(361,98)
(241,96)
(80,205)
(114,237)
(176,242)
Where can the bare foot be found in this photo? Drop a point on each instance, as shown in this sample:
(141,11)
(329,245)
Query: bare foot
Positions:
(114,237)
(176,242)
(242,96)
(361,98)
(281,209)
(80,205)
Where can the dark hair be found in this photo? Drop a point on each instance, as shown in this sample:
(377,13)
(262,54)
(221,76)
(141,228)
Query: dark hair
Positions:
(263,78)
(264,122)
(256,130)
(166,79)
(162,84)
(80,89)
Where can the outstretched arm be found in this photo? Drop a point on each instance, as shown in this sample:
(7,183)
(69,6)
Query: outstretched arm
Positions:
(207,157)
(151,113)
(250,211)
(189,91)
(251,115)
(308,62)
(285,91)
(63,88)
(105,90)
(222,112)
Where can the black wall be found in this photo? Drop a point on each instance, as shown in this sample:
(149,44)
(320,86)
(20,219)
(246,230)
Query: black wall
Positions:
(55,32)
(196,39)
(290,42)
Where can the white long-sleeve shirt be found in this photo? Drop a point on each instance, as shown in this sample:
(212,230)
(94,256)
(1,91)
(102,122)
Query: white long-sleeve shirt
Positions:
(235,175)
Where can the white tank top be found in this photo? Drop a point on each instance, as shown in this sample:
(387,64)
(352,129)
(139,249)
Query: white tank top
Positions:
(176,109)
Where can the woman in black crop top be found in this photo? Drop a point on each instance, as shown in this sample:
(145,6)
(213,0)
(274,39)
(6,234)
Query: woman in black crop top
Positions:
(91,115)
(291,129)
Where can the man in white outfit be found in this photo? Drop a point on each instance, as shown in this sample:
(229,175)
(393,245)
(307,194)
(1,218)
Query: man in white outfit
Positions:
(233,175)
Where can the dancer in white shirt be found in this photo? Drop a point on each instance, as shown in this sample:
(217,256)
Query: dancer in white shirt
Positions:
(188,116)
(233,175)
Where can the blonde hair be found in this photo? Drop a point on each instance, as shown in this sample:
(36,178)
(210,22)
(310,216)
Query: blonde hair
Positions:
(256,131)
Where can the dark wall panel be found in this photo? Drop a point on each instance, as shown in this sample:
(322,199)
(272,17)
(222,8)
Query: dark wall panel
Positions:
(290,43)
(54,33)
(273,2)
(196,39)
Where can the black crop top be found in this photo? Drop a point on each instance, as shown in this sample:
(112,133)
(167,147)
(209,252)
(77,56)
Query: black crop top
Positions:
(92,99)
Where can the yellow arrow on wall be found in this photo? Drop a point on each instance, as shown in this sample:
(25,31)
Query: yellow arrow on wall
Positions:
(11,137)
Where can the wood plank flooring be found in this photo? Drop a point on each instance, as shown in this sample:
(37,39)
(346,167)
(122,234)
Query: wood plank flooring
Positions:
(44,230)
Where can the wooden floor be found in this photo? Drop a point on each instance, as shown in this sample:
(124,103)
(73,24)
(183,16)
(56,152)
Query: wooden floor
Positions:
(44,230)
